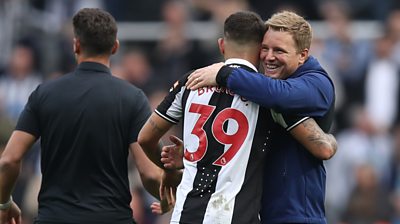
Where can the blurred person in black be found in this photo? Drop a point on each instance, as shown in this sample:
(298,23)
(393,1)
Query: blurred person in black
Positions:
(87,120)
(134,66)
(175,53)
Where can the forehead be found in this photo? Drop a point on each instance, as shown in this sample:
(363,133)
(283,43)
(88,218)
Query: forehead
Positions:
(281,39)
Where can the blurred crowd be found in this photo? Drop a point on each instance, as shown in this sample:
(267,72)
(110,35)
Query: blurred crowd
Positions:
(363,178)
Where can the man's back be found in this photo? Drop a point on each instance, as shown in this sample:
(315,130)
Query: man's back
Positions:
(226,140)
(86,121)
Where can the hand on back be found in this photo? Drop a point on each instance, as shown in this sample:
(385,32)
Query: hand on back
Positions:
(203,77)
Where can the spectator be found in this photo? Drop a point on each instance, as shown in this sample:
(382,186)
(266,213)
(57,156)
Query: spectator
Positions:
(175,53)
(368,203)
(346,57)
(19,80)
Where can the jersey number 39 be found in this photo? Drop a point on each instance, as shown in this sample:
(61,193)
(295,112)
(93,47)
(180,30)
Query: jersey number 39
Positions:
(235,140)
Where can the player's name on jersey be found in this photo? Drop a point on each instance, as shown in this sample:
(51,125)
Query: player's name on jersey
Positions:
(217,89)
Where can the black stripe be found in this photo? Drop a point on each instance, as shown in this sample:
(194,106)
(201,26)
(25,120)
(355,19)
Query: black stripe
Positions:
(246,209)
(184,100)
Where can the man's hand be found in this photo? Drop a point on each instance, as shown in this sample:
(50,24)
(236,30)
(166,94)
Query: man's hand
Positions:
(11,215)
(169,182)
(204,76)
(166,204)
(172,155)
(157,209)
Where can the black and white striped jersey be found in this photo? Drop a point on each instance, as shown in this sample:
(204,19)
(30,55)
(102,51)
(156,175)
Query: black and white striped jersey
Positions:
(225,142)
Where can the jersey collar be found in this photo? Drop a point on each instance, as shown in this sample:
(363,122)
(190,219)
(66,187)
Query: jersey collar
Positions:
(240,62)
(94,66)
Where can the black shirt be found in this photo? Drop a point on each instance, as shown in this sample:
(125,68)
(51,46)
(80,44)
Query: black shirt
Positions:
(86,121)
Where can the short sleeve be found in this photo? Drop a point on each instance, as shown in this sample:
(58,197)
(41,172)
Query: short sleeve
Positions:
(171,108)
(29,119)
(141,114)
(287,121)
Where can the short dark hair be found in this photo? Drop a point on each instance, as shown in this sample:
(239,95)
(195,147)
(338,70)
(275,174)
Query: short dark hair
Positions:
(244,27)
(96,30)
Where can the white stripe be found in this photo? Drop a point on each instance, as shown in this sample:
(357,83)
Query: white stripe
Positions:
(297,123)
(231,177)
(165,117)
(190,143)
(175,110)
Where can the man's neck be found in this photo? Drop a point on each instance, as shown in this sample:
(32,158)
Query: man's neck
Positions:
(100,59)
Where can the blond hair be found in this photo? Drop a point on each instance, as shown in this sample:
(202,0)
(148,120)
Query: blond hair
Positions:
(295,25)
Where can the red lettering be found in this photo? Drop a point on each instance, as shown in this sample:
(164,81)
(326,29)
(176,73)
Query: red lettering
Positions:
(200,91)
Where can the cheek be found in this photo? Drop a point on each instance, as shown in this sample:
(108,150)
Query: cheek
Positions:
(288,63)
(263,55)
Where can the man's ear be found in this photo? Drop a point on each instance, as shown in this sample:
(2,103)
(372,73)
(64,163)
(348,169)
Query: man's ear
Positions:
(303,56)
(221,45)
(77,46)
(115,47)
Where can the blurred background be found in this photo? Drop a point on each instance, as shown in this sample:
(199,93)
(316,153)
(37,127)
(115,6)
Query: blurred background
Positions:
(358,42)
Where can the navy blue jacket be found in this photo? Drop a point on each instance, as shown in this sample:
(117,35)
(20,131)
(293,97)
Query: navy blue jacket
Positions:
(294,180)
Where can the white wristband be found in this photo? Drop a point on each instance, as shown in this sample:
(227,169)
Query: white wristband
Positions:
(6,205)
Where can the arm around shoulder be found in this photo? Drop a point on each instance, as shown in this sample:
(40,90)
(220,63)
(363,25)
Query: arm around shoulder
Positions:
(310,94)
